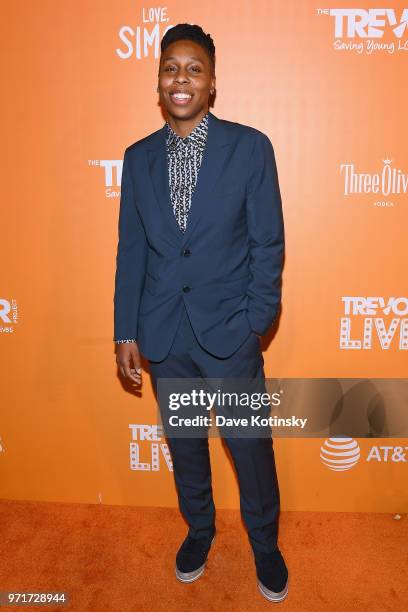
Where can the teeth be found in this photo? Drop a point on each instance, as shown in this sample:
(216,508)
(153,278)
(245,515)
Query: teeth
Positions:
(181,96)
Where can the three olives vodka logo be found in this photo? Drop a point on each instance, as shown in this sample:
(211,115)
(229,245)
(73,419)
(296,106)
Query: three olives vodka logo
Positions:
(386,185)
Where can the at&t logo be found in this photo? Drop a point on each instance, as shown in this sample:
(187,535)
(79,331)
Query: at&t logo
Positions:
(340,454)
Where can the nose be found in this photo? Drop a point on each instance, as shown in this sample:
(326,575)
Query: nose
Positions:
(181,77)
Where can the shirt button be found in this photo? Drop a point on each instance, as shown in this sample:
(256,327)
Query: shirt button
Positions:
(186,288)
(186,252)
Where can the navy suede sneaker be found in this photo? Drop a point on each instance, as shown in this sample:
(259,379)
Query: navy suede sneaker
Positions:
(272,574)
(191,557)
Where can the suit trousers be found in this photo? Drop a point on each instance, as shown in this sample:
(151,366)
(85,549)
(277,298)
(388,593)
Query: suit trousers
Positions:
(253,457)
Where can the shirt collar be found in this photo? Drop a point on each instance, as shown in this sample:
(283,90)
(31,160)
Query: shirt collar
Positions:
(196,138)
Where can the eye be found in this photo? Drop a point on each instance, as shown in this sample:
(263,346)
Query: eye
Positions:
(196,68)
(168,69)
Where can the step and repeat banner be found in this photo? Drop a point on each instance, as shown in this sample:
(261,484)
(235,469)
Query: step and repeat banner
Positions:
(328,86)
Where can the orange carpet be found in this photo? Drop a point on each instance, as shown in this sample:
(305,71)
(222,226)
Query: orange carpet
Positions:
(122,559)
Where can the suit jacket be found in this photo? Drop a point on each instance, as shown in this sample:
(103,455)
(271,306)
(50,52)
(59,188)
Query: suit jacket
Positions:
(227,265)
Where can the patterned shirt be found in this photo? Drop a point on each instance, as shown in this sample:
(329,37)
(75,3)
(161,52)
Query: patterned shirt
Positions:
(184,157)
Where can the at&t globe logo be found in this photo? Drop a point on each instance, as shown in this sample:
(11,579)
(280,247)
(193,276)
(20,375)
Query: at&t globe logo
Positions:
(340,454)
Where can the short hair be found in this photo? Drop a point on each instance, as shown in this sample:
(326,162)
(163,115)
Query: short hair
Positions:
(186,31)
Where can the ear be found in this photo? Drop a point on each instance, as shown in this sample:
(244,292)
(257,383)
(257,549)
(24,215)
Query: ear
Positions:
(213,85)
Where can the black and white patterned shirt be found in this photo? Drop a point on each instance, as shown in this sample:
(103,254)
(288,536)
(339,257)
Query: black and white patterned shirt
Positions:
(184,157)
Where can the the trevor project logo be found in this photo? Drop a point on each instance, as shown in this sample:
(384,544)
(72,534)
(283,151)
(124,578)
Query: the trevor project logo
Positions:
(368,30)
(147,450)
(8,315)
(369,318)
(111,175)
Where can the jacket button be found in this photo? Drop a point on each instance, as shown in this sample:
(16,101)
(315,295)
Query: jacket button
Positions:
(186,288)
(186,252)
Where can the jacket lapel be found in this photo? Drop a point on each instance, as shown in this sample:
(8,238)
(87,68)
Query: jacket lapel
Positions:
(214,155)
(158,170)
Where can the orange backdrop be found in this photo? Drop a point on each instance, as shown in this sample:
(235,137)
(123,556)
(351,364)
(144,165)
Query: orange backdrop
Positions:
(79,85)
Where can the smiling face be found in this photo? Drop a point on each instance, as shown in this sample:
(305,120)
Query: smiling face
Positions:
(186,77)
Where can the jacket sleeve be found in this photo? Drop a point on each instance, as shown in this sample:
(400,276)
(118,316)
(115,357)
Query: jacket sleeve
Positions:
(131,260)
(265,236)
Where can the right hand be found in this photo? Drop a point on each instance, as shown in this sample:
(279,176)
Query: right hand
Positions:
(127,355)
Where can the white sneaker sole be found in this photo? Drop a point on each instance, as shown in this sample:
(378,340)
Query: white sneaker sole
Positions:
(191,576)
(271,595)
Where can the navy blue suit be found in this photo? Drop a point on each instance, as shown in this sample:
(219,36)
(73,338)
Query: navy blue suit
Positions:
(195,301)
(226,267)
